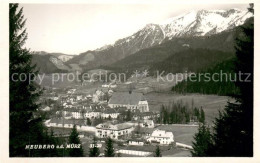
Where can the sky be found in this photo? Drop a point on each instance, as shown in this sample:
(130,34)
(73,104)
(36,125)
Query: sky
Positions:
(76,28)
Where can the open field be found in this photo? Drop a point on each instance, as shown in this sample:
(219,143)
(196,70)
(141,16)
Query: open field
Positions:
(210,103)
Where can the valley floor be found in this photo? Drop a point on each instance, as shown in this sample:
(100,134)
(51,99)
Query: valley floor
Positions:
(211,104)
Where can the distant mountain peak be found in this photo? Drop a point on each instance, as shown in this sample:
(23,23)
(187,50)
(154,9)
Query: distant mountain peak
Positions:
(191,24)
(202,22)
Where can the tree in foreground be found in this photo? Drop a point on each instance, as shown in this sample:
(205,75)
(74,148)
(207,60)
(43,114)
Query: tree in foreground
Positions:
(25,127)
(74,139)
(233,129)
(202,141)
(109,151)
(157,152)
(94,152)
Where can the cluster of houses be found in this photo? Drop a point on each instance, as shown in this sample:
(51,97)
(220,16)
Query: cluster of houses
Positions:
(71,99)
(127,131)
(91,112)
(120,131)
(104,112)
(77,109)
(133,101)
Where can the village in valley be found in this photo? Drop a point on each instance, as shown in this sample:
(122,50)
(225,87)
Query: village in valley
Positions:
(116,110)
(179,87)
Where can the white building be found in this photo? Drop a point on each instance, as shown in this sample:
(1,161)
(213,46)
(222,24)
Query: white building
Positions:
(87,111)
(66,123)
(136,142)
(79,97)
(109,113)
(76,115)
(114,131)
(146,123)
(89,97)
(143,106)
(161,136)
(92,114)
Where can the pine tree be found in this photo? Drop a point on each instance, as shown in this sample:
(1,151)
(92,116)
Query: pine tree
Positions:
(88,122)
(74,139)
(109,117)
(202,116)
(26,127)
(109,151)
(128,115)
(202,141)
(94,152)
(157,152)
(233,129)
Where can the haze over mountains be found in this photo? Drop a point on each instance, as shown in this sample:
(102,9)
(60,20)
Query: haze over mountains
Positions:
(175,34)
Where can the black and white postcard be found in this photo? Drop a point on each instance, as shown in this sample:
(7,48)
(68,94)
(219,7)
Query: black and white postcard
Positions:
(130,80)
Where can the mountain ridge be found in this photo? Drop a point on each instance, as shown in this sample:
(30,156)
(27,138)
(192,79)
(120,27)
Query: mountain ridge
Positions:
(202,23)
(191,24)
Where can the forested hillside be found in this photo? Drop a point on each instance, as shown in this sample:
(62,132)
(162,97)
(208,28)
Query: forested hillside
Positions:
(206,86)
(44,65)
(191,60)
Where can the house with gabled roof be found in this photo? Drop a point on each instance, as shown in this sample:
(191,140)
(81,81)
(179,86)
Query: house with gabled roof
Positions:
(110,113)
(146,123)
(161,136)
(67,123)
(130,100)
(114,131)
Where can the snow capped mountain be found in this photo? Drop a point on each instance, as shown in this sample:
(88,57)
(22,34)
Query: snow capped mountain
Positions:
(150,35)
(194,23)
(204,22)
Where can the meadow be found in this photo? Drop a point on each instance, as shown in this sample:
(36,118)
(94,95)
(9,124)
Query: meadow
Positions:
(211,104)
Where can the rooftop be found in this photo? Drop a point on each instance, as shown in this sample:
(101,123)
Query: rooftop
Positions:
(161,133)
(126,98)
(111,126)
